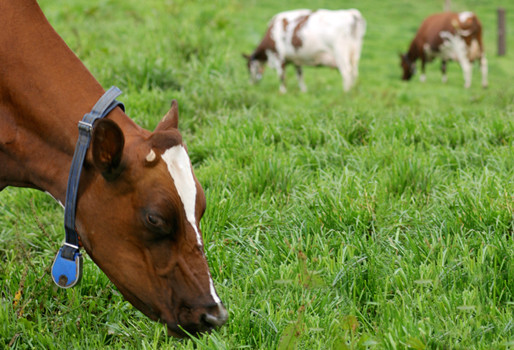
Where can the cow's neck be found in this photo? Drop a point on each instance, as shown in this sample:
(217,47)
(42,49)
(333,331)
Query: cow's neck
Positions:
(44,91)
(413,54)
(260,54)
(267,44)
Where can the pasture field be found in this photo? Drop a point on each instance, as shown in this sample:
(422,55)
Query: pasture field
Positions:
(377,219)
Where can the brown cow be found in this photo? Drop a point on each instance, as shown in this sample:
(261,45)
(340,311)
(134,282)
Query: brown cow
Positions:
(139,204)
(450,36)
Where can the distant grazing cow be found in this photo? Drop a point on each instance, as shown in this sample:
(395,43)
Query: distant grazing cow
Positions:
(311,38)
(451,36)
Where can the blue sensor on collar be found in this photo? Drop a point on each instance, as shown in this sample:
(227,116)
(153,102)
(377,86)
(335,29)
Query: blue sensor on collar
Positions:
(67,273)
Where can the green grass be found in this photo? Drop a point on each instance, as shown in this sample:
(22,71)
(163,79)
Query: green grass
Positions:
(380,219)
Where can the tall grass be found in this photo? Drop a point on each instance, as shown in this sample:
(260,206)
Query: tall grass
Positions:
(381,218)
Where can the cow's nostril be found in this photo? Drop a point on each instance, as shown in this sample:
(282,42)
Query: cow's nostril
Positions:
(217,317)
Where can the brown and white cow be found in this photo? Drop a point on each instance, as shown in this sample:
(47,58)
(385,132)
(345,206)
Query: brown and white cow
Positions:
(311,38)
(450,36)
(139,202)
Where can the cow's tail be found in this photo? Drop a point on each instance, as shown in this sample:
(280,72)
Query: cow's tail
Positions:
(354,44)
(358,25)
(477,29)
(358,30)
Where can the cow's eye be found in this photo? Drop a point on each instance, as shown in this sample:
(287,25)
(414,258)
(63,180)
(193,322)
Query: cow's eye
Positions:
(154,220)
(158,224)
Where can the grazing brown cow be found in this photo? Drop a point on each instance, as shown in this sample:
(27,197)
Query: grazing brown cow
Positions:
(139,203)
(450,36)
(311,38)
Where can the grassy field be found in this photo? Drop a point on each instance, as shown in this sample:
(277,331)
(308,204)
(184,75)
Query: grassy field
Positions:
(380,219)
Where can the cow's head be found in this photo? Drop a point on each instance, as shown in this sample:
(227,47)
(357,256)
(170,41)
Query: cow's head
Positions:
(408,66)
(255,68)
(139,216)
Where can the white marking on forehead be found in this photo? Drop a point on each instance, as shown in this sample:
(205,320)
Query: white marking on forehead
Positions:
(179,167)
(181,172)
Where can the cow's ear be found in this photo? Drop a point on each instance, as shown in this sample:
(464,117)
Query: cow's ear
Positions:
(245,56)
(170,119)
(107,147)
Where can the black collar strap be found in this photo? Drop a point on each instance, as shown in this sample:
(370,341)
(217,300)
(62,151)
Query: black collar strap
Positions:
(67,267)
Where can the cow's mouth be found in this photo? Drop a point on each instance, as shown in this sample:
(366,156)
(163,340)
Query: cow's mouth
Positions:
(179,331)
(206,323)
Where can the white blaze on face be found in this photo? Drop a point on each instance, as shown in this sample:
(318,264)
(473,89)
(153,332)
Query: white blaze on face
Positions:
(179,166)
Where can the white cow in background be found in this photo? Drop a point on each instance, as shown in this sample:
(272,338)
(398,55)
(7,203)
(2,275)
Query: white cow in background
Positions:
(311,38)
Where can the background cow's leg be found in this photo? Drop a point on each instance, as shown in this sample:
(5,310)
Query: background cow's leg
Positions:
(281,70)
(342,59)
(443,70)
(276,62)
(422,77)
(466,70)
(462,58)
(355,58)
(483,69)
(299,75)
(346,73)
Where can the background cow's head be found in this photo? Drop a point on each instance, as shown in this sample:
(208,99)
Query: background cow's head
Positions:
(408,66)
(149,211)
(255,68)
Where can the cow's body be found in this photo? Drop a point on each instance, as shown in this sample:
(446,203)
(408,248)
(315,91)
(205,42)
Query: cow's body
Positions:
(311,38)
(449,36)
(139,204)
